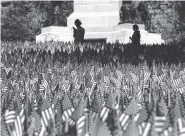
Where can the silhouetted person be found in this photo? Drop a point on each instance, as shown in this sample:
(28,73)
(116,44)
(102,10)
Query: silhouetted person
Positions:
(79,32)
(136,36)
(135,41)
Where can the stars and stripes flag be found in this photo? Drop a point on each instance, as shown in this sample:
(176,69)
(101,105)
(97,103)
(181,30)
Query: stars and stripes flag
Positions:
(67,108)
(80,124)
(10,116)
(96,105)
(135,78)
(176,82)
(144,128)
(47,114)
(19,123)
(109,105)
(15,122)
(159,122)
(181,124)
(78,118)
(45,83)
(104,113)
(160,79)
(145,75)
(159,119)
(181,90)
(124,120)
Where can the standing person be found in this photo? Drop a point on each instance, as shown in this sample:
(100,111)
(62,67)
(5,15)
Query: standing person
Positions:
(136,36)
(79,32)
(136,40)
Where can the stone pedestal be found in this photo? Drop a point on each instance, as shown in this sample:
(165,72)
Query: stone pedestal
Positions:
(100,20)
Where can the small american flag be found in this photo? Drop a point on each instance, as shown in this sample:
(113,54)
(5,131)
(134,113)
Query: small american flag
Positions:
(10,116)
(144,129)
(181,124)
(124,119)
(159,120)
(67,108)
(47,113)
(19,123)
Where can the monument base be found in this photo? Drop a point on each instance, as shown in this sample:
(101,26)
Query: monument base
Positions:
(112,34)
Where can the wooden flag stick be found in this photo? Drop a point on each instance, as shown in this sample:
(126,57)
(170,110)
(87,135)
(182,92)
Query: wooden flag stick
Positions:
(66,126)
(169,99)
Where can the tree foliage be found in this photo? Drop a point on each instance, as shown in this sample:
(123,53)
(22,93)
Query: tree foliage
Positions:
(22,20)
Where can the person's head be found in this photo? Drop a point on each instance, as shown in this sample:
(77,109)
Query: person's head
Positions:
(135,27)
(78,23)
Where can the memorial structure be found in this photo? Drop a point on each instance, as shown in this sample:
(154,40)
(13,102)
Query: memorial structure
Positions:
(101,21)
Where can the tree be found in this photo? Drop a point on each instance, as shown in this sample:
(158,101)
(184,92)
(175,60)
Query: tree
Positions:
(23,20)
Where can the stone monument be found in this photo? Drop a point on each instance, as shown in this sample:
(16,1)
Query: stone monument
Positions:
(100,20)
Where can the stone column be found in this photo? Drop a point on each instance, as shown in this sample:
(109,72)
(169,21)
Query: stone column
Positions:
(95,13)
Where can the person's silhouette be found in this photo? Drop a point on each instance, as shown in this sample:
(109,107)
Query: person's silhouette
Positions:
(79,32)
(136,41)
(136,36)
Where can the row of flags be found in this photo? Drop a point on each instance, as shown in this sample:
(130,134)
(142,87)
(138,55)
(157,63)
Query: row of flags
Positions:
(54,98)
(128,102)
(97,47)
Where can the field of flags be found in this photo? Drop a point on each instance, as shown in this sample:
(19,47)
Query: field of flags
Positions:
(95,89)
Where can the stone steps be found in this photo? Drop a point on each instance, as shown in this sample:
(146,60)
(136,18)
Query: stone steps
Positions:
(56,29)
(97,8)
(93,2)
(90,19)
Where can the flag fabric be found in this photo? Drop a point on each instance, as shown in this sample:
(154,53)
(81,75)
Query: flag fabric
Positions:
(110,105)
(181,124)
(67,108)
(47,113)
(159,119)
(124,120)
(159,123)
(16,120)
(144,129)
(10,117)
(97,103)
(80,125)
(19,123)
(135,78)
